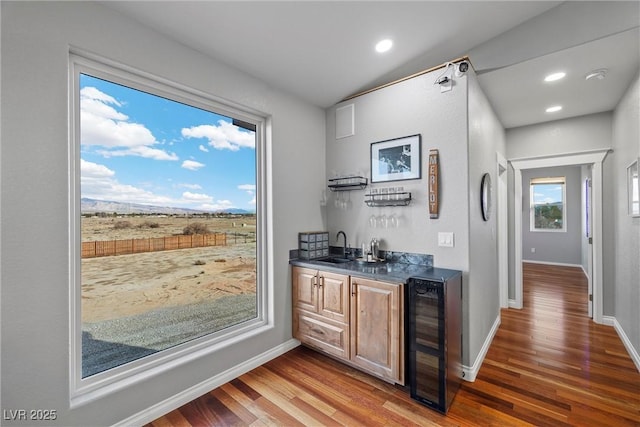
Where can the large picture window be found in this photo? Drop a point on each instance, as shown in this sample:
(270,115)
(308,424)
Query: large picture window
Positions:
(548,204)
(167,201)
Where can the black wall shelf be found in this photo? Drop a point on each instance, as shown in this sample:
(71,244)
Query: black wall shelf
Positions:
(348,183)
(388,199)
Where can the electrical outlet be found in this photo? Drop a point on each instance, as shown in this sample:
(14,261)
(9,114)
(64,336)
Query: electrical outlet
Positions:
(445,240)
(533,250)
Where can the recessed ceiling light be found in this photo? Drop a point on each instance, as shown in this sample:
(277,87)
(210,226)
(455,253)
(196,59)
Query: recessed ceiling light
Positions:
(555,76)
(383,45)
(553,109)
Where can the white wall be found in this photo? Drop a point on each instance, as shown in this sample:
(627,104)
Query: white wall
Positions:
(462,126)
(486,138)
(577,134)
(414,106)
(558,137)
(626,143)
(34,197)
(554,247)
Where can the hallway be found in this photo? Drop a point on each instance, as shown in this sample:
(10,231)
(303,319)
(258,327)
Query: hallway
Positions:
(548,365)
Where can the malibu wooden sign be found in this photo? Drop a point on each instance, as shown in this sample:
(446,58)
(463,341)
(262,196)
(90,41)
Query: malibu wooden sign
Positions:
(433,184)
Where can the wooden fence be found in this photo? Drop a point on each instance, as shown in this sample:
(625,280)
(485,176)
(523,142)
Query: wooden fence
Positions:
(134,246)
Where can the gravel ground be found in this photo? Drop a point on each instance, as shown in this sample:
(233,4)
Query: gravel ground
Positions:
(114,342)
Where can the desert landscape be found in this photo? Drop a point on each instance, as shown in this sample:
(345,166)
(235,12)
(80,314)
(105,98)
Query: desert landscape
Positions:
(138,304)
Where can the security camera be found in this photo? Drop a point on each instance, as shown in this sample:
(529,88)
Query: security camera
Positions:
(463,67)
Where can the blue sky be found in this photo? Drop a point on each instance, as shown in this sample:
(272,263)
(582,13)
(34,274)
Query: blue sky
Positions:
(140,148)
(547,193)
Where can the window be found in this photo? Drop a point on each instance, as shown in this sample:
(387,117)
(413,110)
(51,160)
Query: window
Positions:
(548,204)
(167,196)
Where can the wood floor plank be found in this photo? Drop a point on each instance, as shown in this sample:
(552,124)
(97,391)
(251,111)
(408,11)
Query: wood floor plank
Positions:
(277,415)
(234,406)
(548,365)
(273,398)
(321,416)
(262,418)
(176,419)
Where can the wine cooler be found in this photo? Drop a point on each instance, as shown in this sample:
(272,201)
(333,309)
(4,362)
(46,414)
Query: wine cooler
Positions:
(434,317)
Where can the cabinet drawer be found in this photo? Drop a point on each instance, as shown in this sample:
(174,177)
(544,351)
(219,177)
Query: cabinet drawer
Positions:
(321,333)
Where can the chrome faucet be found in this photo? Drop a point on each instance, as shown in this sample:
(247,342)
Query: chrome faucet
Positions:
(344,249)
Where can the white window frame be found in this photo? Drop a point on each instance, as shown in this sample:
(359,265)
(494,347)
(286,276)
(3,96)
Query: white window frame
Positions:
(85,390)
(559,180)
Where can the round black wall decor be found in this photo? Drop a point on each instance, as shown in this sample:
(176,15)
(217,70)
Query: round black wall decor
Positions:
(485,196)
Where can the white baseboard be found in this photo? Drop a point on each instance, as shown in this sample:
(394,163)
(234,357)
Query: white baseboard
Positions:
(186,396)
(561,264)
(608,320)
(624,338)
(469,373)
(514,304)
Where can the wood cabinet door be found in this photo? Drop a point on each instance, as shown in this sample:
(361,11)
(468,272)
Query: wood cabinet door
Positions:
(333,298)
(376,328)
(304,289)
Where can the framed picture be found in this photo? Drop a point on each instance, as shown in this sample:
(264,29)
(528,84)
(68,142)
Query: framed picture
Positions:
(633,188)
(396,159)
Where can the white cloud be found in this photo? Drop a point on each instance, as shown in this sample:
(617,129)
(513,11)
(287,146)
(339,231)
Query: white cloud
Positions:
(251,190)
(100,109)
(99,182)
(102,125)
(93,93)
(203,148)
(196,197)
(190,186)
(218,205)
(141,151)
(192,165)
(225,136)
(94,170)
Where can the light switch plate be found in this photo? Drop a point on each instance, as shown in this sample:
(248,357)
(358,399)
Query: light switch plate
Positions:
(445,239)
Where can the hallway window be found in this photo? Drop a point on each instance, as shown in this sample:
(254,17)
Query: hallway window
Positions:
(170,223)
(548,204)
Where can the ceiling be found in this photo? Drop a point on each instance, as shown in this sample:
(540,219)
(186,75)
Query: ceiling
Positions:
(323,51)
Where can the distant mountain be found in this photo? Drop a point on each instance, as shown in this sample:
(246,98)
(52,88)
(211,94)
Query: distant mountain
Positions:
(236,211)
(93,206)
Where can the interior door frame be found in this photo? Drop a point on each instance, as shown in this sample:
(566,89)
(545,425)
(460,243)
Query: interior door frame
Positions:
(589,214)
(594,158)
(503,229)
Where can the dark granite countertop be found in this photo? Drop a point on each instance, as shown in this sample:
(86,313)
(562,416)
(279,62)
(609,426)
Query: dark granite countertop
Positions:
(387,271)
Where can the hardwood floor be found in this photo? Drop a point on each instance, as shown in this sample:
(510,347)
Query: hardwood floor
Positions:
(548,365)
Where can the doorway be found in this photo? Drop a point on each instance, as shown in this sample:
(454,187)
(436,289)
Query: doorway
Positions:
(553,220)
(595,160)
